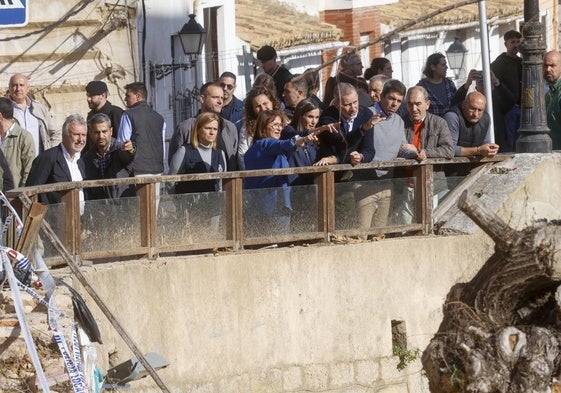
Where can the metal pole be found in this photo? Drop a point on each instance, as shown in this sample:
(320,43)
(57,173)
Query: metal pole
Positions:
(534,133)
(173,81)
(486,65)
(246,71)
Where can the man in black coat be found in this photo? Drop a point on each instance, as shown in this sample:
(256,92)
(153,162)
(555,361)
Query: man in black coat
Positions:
(97,93)
(61,163)
(267,55)
(106,161)
(354,119)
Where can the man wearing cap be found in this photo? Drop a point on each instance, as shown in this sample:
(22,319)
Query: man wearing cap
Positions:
(97,92)
(267,55)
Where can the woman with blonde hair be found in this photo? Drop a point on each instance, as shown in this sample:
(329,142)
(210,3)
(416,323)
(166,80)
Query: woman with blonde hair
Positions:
(200,155)
(199,211)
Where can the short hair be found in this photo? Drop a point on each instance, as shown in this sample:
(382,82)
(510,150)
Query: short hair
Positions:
(380,77)
(6,108)
(312,77)
(228,74)
(376,65)
(303,107)
(72,119)
(204,88)
(99,118)
(433,59)
(299,82)
(13,76)
(350,59)
(138,88)
(343,89)
(512,34)
(421,89)
(202,120)
(379,63)
(267,81)
(263,120)
(394,85)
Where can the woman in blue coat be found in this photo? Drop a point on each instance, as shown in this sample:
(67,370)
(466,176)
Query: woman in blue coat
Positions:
(271,205)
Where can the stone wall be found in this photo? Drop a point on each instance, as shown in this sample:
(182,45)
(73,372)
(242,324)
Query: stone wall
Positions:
(285,320)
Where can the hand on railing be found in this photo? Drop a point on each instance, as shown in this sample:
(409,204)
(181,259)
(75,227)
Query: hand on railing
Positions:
(355,158)
(488,150)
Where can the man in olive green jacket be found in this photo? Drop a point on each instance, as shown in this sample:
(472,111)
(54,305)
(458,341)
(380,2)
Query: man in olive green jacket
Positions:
(16,143)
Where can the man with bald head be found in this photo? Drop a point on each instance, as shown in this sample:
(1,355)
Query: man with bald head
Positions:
(552,75)
(32,115)
(469,127)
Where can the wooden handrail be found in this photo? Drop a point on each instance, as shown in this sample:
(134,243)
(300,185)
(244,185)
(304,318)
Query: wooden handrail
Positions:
(34,190)
(233,187)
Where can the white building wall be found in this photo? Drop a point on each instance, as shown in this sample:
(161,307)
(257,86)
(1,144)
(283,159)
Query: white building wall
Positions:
(164,19)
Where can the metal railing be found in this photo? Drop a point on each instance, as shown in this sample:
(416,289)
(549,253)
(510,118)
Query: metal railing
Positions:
(146,241)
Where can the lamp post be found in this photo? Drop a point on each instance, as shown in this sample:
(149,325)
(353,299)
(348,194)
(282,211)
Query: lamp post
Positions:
(456,54)
(533,130)
(192,37)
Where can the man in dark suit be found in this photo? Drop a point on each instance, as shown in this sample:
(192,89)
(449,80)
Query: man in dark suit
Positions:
(61,163)
(355,120)
(336,148)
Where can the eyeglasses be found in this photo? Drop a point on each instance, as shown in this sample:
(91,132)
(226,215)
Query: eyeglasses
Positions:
(275,125)
(227,86)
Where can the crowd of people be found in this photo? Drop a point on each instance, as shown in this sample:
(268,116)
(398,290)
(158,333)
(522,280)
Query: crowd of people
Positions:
(281,123)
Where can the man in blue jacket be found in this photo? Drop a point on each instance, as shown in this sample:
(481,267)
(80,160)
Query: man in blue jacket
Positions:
(232,106)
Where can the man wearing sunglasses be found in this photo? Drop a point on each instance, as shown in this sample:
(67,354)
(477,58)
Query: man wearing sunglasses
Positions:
(232,106)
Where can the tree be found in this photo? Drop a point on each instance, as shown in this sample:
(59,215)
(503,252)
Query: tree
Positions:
(502,330)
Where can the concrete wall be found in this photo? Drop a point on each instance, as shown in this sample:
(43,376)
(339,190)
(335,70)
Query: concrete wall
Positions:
(314,318)
(283,320)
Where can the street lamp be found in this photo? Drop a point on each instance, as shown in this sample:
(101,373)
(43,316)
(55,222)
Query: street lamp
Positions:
(456,54)
(192,37)
(534,132)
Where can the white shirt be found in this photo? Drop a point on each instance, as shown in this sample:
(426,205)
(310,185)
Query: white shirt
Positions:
(75,173)
(30,123)
(7,134)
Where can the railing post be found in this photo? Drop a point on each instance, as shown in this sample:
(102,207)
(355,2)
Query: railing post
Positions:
(325,182)
(147,195)
(72,228)
(424,192)
(234,211)
(11,236)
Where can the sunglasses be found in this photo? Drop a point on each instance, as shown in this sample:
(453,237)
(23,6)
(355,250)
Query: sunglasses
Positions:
(227,86)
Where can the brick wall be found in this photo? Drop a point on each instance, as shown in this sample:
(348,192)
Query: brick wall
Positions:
(354,23)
